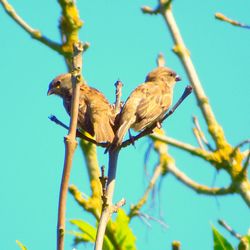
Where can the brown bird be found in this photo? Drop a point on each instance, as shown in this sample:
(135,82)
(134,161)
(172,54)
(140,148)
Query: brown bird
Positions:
(95,114)
(147,104)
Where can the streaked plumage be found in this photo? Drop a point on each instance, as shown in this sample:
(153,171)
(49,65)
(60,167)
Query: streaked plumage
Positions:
(95,114)
(147,104)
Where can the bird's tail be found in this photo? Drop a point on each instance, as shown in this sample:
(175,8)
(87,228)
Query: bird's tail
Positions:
(104,132)
(120,133)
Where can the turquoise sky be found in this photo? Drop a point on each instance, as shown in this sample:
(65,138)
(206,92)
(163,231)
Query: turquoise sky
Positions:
(124,45)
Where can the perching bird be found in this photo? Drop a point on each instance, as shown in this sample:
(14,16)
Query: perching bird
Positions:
(95,114)
(147,104)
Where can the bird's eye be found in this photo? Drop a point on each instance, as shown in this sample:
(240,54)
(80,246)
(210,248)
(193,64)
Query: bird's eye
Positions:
(57,84)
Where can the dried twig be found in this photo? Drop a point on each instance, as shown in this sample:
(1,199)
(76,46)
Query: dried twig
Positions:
(36,34)
(118,93)
(201,134)
(229,229)
(223,18)
(70,143)
(78,132)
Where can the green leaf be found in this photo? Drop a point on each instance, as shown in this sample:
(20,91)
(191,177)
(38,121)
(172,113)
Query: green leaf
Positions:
(123,232)
(88,234)
(220,243)
(21,245)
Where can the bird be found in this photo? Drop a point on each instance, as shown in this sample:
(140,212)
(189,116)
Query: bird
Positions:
(147,104)
(95,113)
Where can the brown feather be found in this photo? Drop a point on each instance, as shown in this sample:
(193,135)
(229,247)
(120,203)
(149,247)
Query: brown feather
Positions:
(147,103)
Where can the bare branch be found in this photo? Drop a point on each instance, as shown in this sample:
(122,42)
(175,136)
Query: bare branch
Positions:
(70,143)
(160,60)
(36,34)
(147,217)
(179,144)
(201,189)
(87,204)
(198,138)
(78,132)
(229,229)
(180,49)
(118,94)
(223,18)
(108,209)
(201,134)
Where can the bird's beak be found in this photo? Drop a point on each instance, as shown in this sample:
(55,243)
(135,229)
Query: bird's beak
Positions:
(50,92)
(177,78)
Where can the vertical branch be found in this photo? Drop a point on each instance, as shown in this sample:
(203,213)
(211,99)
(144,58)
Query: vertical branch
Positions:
(180,49)
(118,93)
(69,25)
(108,208)
(70,143)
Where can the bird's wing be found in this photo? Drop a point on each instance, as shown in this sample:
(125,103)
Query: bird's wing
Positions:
(101,116)
(154,103)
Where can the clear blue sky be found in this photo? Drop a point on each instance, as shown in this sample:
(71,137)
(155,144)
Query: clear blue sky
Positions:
(124,45)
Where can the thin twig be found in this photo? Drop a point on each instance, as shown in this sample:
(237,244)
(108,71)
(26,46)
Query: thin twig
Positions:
(79,134)
(201,189)
(229,229)
(118,94)
(36,34)
(148,217)
(241,144)
(198,138)
(201,134)
(181,145)
(149,130)
(70,143)
(160,61)
(223,18)
(180,49)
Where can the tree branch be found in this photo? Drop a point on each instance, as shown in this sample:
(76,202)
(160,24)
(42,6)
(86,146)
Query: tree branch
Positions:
(201,189)
(181,145)
(36,34)
(229,229)
(70,143)
(69,25)
(201,134)
(87,204)
(223,18)
(108,207)
(118,94)
(180,49)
